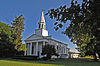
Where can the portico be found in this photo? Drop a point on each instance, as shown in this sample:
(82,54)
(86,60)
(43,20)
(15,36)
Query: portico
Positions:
(34,48)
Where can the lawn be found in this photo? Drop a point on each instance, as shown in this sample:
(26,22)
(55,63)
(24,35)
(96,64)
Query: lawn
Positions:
(58,62)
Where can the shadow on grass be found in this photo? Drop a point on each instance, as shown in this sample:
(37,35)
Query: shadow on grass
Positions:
(62,62)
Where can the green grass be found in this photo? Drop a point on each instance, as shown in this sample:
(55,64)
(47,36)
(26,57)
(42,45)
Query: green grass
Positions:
(59,62)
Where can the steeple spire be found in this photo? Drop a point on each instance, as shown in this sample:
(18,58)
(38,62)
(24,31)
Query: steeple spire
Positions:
(42,17)
(42,22)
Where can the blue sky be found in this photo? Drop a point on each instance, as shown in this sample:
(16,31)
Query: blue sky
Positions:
(31,10)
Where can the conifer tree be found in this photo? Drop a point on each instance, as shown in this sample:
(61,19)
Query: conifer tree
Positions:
(17,29)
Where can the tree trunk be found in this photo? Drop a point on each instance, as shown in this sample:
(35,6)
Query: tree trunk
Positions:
(95,57)
(48,56)
(99,55)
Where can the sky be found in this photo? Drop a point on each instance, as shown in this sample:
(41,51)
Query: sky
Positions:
(31,10)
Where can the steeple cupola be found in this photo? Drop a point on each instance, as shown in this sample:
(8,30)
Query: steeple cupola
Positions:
(42,23)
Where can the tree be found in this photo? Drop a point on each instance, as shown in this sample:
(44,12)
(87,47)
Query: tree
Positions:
(17,29)
(84,29)
(6,45)
(7,30)
(49,50)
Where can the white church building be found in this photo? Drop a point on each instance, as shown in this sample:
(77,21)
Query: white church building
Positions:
(35,42)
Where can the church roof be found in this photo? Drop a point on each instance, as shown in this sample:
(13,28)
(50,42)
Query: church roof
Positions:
(34,36)
(59,42)
(38,37)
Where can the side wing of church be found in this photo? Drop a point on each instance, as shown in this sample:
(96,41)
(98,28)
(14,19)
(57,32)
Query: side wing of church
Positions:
(34,43)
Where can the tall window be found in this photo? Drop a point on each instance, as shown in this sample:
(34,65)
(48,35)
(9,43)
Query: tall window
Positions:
(57,47)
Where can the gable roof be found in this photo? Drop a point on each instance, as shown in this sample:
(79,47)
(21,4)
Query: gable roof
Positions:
(34,36)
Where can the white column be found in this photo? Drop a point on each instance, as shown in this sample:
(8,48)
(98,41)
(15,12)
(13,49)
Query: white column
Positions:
(36,48)
(25,50)
(40,49)
(30,48)
(63,50)
(66,50)
(43,43)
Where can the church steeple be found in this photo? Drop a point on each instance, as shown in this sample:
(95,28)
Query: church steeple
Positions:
(41,30)
(42,23)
